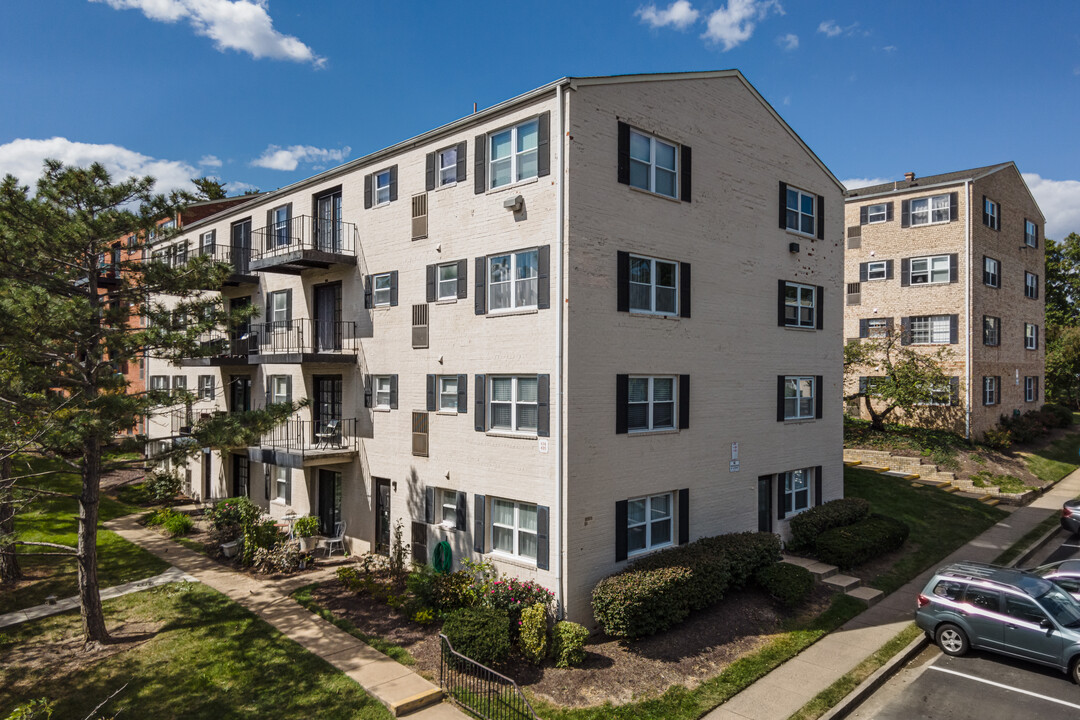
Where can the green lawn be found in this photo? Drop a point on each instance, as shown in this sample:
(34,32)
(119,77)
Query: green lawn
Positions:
(1056,460)
(939,522)
(55,519)
(210,658)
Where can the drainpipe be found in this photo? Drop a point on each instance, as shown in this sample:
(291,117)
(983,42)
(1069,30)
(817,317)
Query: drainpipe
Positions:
(560,302)
(967,309)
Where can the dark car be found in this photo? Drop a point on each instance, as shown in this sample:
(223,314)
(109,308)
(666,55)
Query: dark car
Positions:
(1070,516)
(1065,573)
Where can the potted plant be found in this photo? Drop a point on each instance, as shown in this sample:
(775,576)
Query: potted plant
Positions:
(305,529)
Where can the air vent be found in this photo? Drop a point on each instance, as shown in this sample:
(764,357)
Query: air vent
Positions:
(420,434)
(420,326)
(854,237)
(854,293)
(419,216)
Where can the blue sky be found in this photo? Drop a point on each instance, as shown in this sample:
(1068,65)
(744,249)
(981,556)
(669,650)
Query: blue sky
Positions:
(261,94)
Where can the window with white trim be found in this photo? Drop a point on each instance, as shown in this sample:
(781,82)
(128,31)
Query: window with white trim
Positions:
(796,491)
(801,216)
(877,328)
(991,214)
(1031,285)
(991,330)
(279,226)
(512,404)
(206,243)
(798,398)
(649,523)
(991,272)
(651,403)
(382,391)
(446,502)
(929,270)
(930,329)
(876,213)
(990,390)
(380,286)
(279,389)
(279,308)
(1029,389)
(447,281)
(513,528)
(877,270)
(931,210)
(206,387)
(448,393)
(159,382)
(382,187)
(513,154)
(281,482)
(447,166)
(1031,234)
(800,305)
(512,280)
(1031,336)
(653,165)
(937,396)
(654,286)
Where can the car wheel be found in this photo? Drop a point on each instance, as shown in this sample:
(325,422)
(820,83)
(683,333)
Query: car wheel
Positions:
(1074,670)
(952,640)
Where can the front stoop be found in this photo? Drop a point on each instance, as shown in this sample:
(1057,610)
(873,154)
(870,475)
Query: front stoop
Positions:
(870,596)
(844,583)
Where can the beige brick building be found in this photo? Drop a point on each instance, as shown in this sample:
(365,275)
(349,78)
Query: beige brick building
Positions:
(956,261)
(494,324)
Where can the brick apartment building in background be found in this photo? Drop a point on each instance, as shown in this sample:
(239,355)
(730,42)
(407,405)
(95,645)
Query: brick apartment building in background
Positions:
(953,260)
(587,323)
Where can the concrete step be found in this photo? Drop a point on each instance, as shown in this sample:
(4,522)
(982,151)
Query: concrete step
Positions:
(852,463)
(819,570)
(989,500)
(874,468)
(900,474)
(870,596)
(951,489)
(932,483)
(844,583)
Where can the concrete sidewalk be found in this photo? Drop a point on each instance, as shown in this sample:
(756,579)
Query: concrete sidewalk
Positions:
(393,684)
(787,688)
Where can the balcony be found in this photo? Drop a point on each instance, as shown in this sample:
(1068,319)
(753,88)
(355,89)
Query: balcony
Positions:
(304,341)
(238,257)
(181,420)
(303,243)
(309,443)
(219,349)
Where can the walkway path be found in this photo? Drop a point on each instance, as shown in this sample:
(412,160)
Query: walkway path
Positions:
(787,688)
(393,684)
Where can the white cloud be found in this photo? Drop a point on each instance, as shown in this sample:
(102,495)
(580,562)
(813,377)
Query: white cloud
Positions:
(1060,202)
(275,157)
(788,42)
(680,14)
(734,23)
(856,183)
(210,161)
(830,28)
(243,25)
(889,48)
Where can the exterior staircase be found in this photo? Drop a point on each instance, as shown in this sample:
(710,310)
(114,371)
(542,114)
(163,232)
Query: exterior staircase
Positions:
(829,575)
(913,469)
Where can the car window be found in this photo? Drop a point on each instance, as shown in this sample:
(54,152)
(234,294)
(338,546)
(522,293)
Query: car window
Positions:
(949,589)
(1022,609)
(1061,606)
(1070,584)
(983,598)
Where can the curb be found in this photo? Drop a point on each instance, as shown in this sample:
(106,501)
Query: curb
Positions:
(1036,546)
(868,686)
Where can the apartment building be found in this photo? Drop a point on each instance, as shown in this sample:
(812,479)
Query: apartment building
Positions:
(592,321)
(952,261)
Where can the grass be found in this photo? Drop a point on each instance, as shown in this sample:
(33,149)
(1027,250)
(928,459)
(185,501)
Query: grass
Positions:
(391,650)
(1014,550)
(1057,459)
(940,523)
(55,519)
(209,659)
(940,446)
(1004,483)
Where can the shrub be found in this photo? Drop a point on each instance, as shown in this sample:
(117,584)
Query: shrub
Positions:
(997,438)
(306,526)
(259,536)
(568,644)
(642,602)
(850,546)
(1062,416)
(424,617)
(281,558)
(481,634)
(513,596)
(178,524)
(162,485)
(790,584)
(227,517)
(533,633)
(1026,427)
(808,525)
(441,593)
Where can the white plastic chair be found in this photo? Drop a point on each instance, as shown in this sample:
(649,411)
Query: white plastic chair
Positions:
(338,539)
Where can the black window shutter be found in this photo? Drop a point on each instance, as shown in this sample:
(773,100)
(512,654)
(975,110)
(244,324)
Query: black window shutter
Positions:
(367,192)
(954,329)
(542,535)
(684,516)
(429,505)
(480,423)
(864,272)
(954,206)
(905,213)
(624,154)
(393,392)
(863,211)
(478,523)
(954,269)
(864,328)
(622,281)
(269,239)
(864,383)
(622,399)
(462,279)
(684,174)
(684,289)
(781,303)
(986,215)
(779,497)
(460,170)
(480,300)
(997,385)
(431,393)
(543,283)
(1036,236)
(684,402)
(1036,337)
(888,326)
(905,331)
(999,219)
(463,394)
(888,269)
(905,272)
(954,391)
(266,481)
(819,395)
(820,307)
(430,271)
(368,298)
(288,305)
(1036,287)
(765,502)
(543,405)
(429,171)
(817,485)
(888,212)
(393,183)
(288,487)
(783,205)
(367,391)
(288,389)
(461,512)
(480,165)
(780,398)
(1035,384)
(820,217)
(543,144)
(621,516)
(393,288)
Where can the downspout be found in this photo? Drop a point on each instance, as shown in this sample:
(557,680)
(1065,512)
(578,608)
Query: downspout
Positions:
(967,309)
(560,302)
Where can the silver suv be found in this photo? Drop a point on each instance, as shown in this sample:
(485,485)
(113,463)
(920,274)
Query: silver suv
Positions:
(1008,611)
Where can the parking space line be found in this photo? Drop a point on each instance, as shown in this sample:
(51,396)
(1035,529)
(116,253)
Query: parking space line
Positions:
(1005,687)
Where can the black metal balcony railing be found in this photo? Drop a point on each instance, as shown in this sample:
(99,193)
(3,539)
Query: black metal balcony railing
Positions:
(181,421)
(220,348)
(305,336)
(303,232)
(238,257)
(310,437)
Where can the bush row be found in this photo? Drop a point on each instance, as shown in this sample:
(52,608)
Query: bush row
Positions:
(808,525)
(1028,426)
(790,584)
(482,634)
(850,546)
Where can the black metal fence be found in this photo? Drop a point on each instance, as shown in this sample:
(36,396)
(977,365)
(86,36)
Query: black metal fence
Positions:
(303,233)
(238,257)
(305,336)
(220,344)
(309,436)
(479,689)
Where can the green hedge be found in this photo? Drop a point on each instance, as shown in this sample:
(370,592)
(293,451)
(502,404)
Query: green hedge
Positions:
(790,584)
(480,634)
(853,545)
(642,602)
(808,525)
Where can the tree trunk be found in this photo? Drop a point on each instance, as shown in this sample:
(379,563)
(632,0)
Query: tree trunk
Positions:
(93,618)
(9,561)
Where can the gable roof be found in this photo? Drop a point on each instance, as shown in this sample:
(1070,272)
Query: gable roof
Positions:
(948,178)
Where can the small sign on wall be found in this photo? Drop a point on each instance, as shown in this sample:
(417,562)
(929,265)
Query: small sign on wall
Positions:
(542,444)
(734,451)
(733,466)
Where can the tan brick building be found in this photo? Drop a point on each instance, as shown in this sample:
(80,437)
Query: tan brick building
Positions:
(953,260)
(494,324)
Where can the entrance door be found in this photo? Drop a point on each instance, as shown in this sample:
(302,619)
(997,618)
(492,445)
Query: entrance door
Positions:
(382,516)
(239,393)
(240,470)
(241,337)
(207,465)
(328,223)
(328,317)
(764,503)
(329,501)
(240,252)
(327,409)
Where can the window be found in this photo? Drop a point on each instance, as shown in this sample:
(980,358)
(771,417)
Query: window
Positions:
(937,396)
(929,270)
(179,382)
(877,327)
(651,403)
(926,211)
(206,243)
(279,308)
(382,187)
(512,280)
(990,391)
(206,387)
(1023,610)
(877,270)
(1031,285)
(991,214)
(800,308)
(991,272)
(877,213)
(382,392)
(798,398)
(513,528)
(447,507)
(796,491)
(648,523)
(448,281)
(653,286)
(281,483)
(800,211)
(280,229)
(159,382)
(447,166)
(1031,336)
(1029,389)
(983,598)
(280,392)
(1031,234)
(991,330)
(514,154)
(513,404)
(448,393)
(653,165)
(381,289)
(931,329)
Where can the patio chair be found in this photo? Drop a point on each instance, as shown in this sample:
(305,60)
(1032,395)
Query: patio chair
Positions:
(338,539)
(330,434)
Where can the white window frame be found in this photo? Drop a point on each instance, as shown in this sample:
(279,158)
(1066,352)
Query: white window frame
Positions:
(446,501)
(993,212)
(278,314)
(279,218)
(800,305)
(515,403)
(206,387)
(1030,339)
(516,529)
(931,325)
(990,390)
(932,263)
(652,164)
(281,483)
(381,188)
(380,289)
(1031,234)
(799,214)
(513,280)
(877,328)
(798,384)
(877,213)
(877,270)
(515,157)
(650,521)
(381,391)
(996,326)
(796,491)
(446,289)
(940,396)
(1031,285)
(447,396)
(159,382)
(654,285)
(650,402)
(279,389)
(1029,388)
(933,208)
(441,168)
(992,267)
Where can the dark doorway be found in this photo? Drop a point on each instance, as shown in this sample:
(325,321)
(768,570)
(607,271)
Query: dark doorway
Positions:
(326,409)
(241,337)
(329,501)
(240,250)
(328,317)
(764,503)
(240,475)
(382,516)
(207,467)
(328,222)
(239,393)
